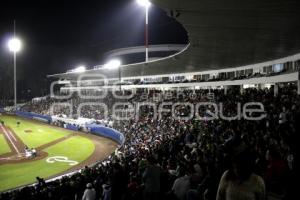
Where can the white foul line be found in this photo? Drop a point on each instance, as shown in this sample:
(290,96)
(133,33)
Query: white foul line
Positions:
(10,133)
(7,135)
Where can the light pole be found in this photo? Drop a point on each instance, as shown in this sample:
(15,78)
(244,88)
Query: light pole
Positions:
(113,64)
(146,4)
(14,46)
(79,69)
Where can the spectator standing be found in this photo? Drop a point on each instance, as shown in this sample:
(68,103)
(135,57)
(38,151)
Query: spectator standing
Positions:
(181,185)
(89,193)
(151,178)
(119,182)
(240,183)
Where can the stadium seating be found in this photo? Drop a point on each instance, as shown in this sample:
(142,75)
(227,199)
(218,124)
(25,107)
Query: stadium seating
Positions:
(189,154)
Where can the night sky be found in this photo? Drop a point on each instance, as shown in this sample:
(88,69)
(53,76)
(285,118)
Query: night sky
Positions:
(58,35)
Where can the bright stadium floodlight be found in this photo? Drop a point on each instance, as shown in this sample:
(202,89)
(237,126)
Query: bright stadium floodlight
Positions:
(80,69)
(14,45)
(112,64)
(145,3)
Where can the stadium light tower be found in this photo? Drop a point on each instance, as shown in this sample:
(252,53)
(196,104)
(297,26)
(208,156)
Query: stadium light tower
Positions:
(114,64)
(146,4)
(14,45)
(80,69)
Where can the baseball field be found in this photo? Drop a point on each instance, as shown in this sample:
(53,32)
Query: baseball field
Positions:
(58,151)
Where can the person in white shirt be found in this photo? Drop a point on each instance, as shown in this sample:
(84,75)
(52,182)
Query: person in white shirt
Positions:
(181,185)
(89,193)
(240,183)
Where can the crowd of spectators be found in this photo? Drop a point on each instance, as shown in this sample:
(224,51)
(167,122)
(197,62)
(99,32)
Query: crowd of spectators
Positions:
(167,158)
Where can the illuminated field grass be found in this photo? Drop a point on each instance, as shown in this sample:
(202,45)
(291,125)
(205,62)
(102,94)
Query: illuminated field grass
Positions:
(76,148)
(4,148)
(31,133)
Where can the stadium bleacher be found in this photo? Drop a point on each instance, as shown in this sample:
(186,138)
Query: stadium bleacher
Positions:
(180,121)
(189,154)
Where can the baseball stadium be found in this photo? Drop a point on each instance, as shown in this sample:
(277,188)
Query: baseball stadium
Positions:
(165,100)
(64,149)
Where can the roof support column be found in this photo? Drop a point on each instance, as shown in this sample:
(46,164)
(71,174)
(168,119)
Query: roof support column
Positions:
(298,87)
(225,89)
(241,89)
(275,89)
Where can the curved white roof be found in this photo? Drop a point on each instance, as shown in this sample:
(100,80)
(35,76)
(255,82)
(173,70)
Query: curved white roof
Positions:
(223,34)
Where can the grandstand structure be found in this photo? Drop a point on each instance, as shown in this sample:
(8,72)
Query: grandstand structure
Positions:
(237,46)
(135,54)
(200,133)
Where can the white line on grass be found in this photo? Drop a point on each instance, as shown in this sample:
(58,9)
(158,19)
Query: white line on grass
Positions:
(7,135)
(12,135)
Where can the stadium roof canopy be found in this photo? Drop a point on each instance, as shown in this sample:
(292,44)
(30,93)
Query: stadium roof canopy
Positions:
(222,34)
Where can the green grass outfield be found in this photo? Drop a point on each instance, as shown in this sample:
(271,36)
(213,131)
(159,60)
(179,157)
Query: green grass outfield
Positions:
(4,148)
(40,133)
(76,148)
